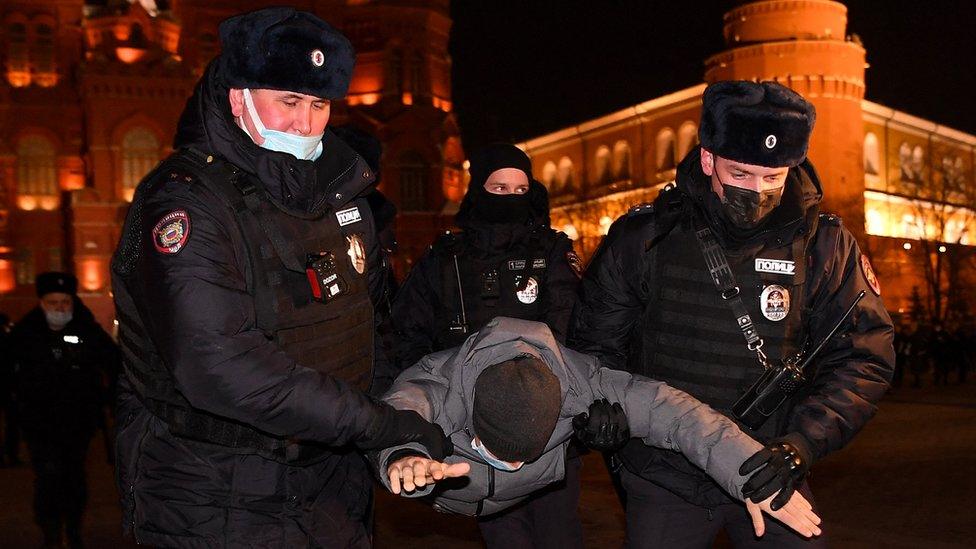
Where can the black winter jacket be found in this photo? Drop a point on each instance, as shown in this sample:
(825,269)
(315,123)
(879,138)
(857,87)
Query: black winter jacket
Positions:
(854,369)
(62,377)
(198,313)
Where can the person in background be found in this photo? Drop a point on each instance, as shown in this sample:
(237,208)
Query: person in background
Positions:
(61,356)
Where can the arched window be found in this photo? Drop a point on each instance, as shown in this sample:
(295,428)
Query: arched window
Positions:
(565,174)
(905,161)
(918,163)
(872,156)
(665,150)
(140,154)
(687,138)
(42,56)
(18,60)
(621,160)
(414,173)
(36,168)
(602,164)
(549,175)
(394,72)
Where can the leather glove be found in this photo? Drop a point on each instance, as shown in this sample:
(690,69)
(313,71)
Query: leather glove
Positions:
(604,428)
(782,465)
(393,427)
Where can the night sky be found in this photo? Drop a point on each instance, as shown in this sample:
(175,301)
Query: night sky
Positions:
(525,68)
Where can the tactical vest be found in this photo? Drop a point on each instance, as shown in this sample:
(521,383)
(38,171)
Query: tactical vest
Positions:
(332,334)
(511,284)
(690,339)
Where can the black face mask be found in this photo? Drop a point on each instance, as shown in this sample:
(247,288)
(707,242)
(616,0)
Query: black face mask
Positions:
(502,208)
(746,209)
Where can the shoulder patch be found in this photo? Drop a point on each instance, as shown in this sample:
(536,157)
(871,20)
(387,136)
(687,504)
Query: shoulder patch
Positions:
(642,208)
(830,218)
(869,276)
(171,232)
(575,263)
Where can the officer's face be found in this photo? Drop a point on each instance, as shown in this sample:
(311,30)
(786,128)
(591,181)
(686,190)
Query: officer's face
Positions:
(507,181)
(284,111)
(57,302)
(739,174)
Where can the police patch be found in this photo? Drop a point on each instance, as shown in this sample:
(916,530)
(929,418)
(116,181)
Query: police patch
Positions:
(357,253)
(539,263)
(348,216)
(869,276)
(530,293)
(777,266)
(775,302)
(516,264)
(171,232)
(575,263)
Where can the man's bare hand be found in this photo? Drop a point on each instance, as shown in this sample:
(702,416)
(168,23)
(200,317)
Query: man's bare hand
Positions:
(797,514)
(414,472)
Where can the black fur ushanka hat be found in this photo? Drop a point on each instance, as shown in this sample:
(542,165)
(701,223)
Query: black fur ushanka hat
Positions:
(285,49)
(764,123)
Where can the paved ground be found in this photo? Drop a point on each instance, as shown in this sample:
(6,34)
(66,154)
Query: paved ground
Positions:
(907,482)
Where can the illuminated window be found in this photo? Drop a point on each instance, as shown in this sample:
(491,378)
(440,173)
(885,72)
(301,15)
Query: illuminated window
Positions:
(875,222)
(665,150)
(26,271)
(140,154)
(872,156)
(18,61)
(602,164)
(414,173)
(621,160)
(42,56)
(36,170)
(912,227)
(953,174)
(687,138)
(549,175)
(565,175)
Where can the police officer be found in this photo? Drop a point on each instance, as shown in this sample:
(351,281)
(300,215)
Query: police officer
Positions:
(242,284)
(506,261)
(729,271)
(62,358)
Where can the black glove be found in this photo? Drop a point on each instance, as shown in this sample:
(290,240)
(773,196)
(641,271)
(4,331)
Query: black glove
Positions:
(604,428)
(393,427)
(782,465)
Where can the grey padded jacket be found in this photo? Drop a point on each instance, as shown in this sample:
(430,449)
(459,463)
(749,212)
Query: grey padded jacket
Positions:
(440,387)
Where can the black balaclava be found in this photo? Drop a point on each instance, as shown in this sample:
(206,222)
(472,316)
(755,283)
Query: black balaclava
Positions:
(480,205)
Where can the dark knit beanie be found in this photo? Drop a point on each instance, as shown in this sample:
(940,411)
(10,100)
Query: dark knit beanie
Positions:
(516,405)
(52,282)
(759,123)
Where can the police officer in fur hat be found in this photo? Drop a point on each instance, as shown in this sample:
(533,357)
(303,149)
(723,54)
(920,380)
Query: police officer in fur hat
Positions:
(243,285)
(726,273)
(63,362)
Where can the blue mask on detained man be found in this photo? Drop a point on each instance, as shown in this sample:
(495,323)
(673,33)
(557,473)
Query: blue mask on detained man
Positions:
(300,146)
(492,460)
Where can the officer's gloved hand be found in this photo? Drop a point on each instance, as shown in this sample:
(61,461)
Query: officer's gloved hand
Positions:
(782,465)
(393,427)
(604,428)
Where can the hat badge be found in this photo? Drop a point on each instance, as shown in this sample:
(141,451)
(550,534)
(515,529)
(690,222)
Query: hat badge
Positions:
(318,58)
(770,141)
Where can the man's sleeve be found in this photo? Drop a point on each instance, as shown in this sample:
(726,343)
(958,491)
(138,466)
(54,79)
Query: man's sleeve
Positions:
(384,365)
(854,369)
(561,285)
(607,309)
(668,418)
(413,312)
(201,319)
(423,389)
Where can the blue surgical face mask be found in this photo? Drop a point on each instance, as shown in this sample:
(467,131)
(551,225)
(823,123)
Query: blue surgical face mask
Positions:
(299,146)
(492,460)
(57,320)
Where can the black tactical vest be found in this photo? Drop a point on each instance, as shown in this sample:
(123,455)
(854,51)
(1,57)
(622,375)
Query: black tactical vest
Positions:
(690,340)
(511,284)
(332,334)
